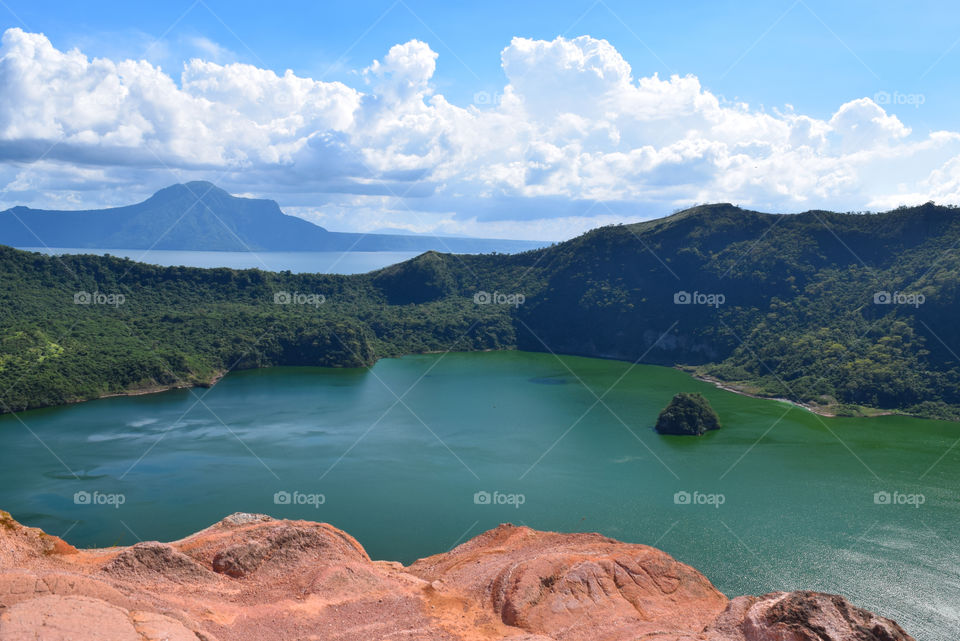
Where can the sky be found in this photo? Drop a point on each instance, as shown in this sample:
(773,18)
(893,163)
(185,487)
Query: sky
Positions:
(535,120)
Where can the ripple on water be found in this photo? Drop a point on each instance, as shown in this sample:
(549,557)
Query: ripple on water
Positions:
(142,422)
(67,476)
(114,436)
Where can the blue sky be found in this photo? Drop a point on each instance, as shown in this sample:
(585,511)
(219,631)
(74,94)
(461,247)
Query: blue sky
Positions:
(806,57)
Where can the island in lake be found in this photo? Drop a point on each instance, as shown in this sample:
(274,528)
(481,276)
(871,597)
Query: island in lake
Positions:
(688,414)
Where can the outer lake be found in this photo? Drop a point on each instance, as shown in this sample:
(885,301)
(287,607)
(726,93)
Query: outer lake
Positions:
(297,262)
(798,491)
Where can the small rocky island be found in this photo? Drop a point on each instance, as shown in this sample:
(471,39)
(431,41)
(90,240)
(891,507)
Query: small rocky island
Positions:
(688,414)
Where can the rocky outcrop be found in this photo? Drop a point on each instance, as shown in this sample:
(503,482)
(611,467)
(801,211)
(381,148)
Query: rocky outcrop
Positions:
(576,586)
(251,577)
(801,616)
(688,414)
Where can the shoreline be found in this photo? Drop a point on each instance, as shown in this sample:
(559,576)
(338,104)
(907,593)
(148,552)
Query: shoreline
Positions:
(723,385)
(728,387)
(142,391)
(813,409)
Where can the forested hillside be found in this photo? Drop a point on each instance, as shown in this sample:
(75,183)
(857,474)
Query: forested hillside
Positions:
(79,327)
(817,307)
(838,310)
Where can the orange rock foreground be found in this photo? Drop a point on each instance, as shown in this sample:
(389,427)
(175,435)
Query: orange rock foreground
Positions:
(250,577)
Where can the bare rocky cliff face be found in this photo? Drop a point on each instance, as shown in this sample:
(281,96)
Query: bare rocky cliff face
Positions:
(250,577)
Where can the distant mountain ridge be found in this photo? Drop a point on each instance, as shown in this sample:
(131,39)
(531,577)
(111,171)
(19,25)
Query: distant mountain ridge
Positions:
(201,216)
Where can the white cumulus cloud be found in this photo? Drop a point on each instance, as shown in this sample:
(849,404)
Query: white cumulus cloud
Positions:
(578,138)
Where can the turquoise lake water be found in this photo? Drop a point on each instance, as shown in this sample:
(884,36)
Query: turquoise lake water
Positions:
(779,499)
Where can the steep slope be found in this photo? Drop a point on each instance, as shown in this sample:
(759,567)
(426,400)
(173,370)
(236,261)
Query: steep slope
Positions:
(79,327)
(818,307)
(201,216)
(250,577)
(849,313)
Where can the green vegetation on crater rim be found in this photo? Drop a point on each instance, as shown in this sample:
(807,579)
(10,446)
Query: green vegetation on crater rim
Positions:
(836,310)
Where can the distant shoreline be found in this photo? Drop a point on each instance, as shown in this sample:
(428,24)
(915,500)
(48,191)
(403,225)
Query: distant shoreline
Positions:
(728,387)
(719,384)
(157,389)
(814,409)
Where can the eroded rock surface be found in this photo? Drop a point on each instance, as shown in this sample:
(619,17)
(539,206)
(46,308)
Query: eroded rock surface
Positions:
(250,577)
(801,616)
(576,586)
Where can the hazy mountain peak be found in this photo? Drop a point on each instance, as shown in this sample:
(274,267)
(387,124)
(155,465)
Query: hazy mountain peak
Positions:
(198,215)
(196,189)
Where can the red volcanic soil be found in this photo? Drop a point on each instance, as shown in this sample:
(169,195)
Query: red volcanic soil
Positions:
(252,578)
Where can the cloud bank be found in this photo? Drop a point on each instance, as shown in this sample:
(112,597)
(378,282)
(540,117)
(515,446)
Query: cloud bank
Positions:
(574,139)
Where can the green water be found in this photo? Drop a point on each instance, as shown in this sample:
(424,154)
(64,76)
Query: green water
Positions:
(798,508)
